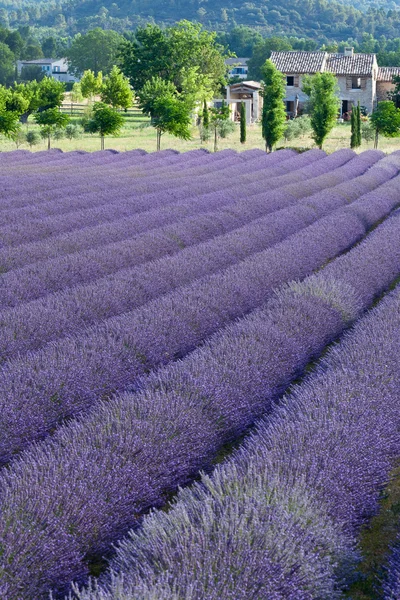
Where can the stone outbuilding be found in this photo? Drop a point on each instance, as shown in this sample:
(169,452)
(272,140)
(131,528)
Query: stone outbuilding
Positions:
(249,93)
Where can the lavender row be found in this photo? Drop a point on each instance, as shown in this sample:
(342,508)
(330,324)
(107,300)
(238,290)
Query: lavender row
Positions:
(37,280)
(392,581)
(31,325)
(97,475)
(283,515)
(125,183)
(33,188)
(43,388)
(100,177)
(16,234)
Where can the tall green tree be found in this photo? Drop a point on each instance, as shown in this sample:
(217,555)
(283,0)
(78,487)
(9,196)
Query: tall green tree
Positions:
(51,120)
(170,53)
(242,123)
(170,112)
(105,121)
(7,65)
(273,111)
(385,120)
(262,51)
(323,104)
(116,90)
(355,139)
(96,50)
(11,106)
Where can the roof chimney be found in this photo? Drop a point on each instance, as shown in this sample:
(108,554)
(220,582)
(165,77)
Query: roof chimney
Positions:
(348,51)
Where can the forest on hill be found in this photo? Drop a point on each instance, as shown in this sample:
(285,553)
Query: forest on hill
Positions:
(321,20)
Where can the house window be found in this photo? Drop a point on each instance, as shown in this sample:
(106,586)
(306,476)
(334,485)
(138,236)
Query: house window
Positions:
(290,80)
(356,83)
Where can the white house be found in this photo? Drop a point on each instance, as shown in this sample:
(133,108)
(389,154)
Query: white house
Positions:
(57,68)
(237,67)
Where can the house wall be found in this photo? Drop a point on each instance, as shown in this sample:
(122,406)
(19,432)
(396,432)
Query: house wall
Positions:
(366,96)
(382,88)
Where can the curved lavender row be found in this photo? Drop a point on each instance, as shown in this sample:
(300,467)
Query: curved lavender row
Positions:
(43,205)
(37,280)
(324,456)
(35,189)
(17,234)
(119,229)
(69,375)
(127,186)
(31,325)
(391,586)
(98,474)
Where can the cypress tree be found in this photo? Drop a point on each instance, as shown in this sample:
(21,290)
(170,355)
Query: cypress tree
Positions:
(359,124)
(242,123)
(206,116)
(273,112)
(353,138)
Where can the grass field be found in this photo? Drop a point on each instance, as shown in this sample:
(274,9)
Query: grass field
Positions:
(135,135)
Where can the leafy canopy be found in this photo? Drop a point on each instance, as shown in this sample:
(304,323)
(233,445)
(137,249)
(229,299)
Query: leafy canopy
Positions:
(386,120)
(323,104)
(105,120)
(184,54)
(97,50)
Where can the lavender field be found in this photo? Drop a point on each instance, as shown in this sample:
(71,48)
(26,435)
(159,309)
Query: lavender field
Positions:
(199,390)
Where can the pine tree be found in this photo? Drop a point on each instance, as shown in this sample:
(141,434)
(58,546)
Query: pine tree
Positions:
(242,123)
(206,115)
(353,138)
(359,124)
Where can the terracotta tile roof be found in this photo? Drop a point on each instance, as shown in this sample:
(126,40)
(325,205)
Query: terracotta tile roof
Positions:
(356,64)
(318,62)
(249,84)
(386,73)
(299,61)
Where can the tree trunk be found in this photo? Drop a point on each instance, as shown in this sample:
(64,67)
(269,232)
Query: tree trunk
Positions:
(376,139)
(48,142)
(102,142)
(158,140)
(215,139)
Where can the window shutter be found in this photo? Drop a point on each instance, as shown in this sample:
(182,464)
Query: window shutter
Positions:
(296,81)
(348,83)
(363,83)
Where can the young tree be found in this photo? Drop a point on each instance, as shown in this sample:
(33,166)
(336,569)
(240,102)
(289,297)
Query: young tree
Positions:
(116,90)
(273,112)
(385,120)
(242,123)
(169,111)
(50,120)
(91,84)
(32,138)
(218,117)
(323,104)
(394,96)
(105,121)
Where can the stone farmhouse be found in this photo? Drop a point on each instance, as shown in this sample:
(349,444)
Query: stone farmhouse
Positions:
(359,77)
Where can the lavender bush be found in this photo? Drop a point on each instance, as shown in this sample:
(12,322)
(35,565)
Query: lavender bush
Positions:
(295,496)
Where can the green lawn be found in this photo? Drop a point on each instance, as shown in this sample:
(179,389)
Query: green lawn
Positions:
(134,135)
